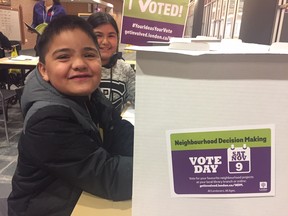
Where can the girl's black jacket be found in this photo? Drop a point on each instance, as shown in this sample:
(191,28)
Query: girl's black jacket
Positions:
(69,145)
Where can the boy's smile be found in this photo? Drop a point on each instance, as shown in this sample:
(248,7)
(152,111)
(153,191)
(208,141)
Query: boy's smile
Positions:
(72,63)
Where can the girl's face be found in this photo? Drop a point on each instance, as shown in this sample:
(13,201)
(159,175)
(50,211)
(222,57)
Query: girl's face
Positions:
(107,40)
(72,63)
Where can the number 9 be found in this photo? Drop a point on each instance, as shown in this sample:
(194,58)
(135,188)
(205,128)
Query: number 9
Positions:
(239,166)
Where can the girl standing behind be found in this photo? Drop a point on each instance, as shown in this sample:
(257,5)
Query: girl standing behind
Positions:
(118,77)
(45,10)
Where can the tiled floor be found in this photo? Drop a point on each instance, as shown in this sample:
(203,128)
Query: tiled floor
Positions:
(8,154)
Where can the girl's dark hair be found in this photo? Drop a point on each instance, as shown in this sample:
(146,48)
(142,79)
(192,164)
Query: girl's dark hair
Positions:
(58,25)
(100,18)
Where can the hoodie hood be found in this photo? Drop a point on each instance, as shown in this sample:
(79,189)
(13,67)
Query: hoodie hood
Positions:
(38,93)
(36,89)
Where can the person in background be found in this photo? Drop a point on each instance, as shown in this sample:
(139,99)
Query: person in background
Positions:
(44,12)
(118,77)
(5,45)
(73,140)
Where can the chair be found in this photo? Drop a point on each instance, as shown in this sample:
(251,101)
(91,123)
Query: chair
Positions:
(5,96)
(15,76)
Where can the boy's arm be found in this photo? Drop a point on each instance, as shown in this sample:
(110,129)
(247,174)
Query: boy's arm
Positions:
(120,140)
(55,141)
(118,134)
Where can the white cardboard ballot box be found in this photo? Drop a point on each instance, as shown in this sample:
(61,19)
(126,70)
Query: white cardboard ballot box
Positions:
(186,90)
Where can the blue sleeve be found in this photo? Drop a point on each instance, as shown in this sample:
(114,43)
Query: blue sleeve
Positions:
(59,11)
(35,21)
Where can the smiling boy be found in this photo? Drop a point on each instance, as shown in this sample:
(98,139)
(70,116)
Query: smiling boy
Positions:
(61,151)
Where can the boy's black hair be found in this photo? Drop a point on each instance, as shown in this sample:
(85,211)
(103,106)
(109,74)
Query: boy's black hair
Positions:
(58,25)
(100,18)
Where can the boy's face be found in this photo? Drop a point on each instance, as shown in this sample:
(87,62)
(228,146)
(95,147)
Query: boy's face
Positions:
(72,63)
(107,40)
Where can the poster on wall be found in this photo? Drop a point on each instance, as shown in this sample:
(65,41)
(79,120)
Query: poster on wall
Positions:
(222,162)
(157,20)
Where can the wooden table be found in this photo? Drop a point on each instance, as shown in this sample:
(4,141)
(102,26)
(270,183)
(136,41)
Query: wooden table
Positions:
(8,63)
(26,65)
(91,205)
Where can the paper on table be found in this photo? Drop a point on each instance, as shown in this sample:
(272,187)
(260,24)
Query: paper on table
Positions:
(129,115)
(279,47)
(23,58)
(192,44)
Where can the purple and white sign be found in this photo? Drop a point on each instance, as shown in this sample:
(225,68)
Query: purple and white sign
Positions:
(218,162)
(147,20)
